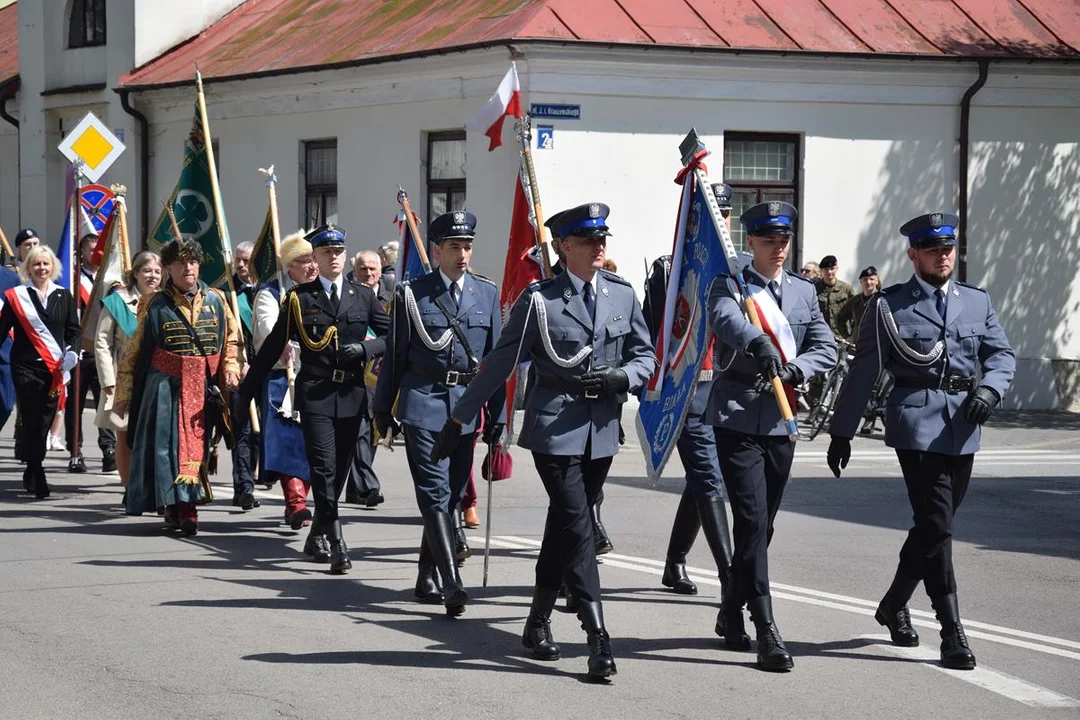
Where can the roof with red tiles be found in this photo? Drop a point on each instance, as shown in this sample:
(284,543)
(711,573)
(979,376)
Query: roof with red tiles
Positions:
(262,37)
(9,43)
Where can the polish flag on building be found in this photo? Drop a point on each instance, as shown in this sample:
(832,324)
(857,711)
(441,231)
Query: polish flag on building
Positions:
(505,102)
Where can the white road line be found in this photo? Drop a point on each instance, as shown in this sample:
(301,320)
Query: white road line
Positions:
(994,680)
(984,631)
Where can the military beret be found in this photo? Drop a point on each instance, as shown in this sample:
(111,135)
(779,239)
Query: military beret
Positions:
(326,236)
(24,235)
(458,224)
(774,217)
(868,271)
(589,220)
(723,192)
(829,261)
(931,230)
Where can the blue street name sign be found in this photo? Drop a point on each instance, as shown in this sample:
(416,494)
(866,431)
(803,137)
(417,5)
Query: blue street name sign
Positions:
(560,112)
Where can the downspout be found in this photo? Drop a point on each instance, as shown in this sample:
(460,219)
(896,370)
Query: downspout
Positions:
(965,153)
(7,93)
(144,162)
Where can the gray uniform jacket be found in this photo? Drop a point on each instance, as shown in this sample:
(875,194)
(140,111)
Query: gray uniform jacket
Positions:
(920,418)
(557,421)
(735,404)
(409,367)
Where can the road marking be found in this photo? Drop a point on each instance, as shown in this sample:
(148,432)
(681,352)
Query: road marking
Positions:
(993,680)
(1056,492)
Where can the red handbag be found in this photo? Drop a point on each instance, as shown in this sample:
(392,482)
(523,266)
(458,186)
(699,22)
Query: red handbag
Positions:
(497,463)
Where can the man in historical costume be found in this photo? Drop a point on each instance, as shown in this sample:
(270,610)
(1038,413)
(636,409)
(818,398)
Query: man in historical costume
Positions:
(245,451)
(443,323)
(752,443)
(184,352)
(284,456)
(590,347)
(942,341)
(330,317)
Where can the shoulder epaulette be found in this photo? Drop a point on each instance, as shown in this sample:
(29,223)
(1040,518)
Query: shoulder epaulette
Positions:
(972,287)
(608,275)
(483,278)
(892,288)
(808,281)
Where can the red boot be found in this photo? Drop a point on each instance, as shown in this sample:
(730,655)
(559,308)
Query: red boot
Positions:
(188,515)
(296,512)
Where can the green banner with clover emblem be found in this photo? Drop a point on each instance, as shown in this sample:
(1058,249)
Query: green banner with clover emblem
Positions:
(192,202)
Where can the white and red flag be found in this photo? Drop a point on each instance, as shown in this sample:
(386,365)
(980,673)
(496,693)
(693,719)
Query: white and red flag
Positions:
(506,102)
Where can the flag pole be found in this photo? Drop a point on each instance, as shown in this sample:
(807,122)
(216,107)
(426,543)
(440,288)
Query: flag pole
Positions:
(403,198)
(524,132)
(487,521)
(275,233)
(76,287)
(7,245)
(223,229)
(120,191)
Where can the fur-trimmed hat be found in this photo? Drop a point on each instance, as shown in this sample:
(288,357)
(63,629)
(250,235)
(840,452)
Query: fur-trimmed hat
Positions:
(292,247)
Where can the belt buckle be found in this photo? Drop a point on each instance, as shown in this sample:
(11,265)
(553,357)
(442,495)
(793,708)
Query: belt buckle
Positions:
(952,384)
(337,376)
(592,395)
(452,378)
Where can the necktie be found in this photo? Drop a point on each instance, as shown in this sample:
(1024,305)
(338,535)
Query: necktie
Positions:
(940,296)
(590,300)
(454,297)
(774,288)
(334,299)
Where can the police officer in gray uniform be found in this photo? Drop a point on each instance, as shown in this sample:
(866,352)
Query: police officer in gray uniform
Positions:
(590,347)
(441,323)
(754,449)
(952,362)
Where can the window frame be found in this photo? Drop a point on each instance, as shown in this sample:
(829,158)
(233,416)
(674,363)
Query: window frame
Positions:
(445,187)
(760,186)
(320,190)
(87,11)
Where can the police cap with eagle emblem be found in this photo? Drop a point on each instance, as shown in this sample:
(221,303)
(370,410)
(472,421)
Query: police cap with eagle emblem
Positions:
(454,225)
(774,217)
(931,230)
(723,192)
(588,220)
(326,236)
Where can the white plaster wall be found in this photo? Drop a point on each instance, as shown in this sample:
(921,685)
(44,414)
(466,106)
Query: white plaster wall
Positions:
(9,178)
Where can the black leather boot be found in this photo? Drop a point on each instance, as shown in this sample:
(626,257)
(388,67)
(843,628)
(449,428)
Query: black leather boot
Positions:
(28,479)
(601,662)
(683,532)
(461,543)
(730,623)
(955,653)
(714,525)
(427,589)
(316,546)
(41,484)
(339,554)
(771,653)
(600,536)
(537,635)
(439,531)
(892,611)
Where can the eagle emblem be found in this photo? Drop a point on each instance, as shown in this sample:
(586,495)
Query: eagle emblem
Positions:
(937,220)
(594,210)
(774,208)
(459,218)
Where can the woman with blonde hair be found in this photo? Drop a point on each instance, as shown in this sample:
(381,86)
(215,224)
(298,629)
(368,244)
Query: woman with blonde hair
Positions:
(116,324)
(44,325)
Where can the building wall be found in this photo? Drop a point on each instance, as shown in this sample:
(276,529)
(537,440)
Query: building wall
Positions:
(878,147)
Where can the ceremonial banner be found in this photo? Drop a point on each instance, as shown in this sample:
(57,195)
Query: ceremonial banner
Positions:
(506,102)
(109,273)
(96,207)
(697,258)
(264,261)
(192,202)
(409,264)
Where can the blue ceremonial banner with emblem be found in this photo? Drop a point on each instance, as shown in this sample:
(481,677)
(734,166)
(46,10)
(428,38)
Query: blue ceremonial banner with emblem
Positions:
(697,258)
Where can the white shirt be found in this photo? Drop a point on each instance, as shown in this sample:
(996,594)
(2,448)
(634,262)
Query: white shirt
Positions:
(49,289)
(932,291)
(779,279)
(579,284)
(326,283)
(460,282)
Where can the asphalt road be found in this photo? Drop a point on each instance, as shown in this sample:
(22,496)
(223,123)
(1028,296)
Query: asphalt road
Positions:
(107,616)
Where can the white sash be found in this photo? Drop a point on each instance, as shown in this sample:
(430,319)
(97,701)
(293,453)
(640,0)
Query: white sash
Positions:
(773,321)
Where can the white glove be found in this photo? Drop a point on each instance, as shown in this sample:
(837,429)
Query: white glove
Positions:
(69,361)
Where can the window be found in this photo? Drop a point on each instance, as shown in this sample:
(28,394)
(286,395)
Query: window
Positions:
(320,182)
(445,173)
(86,24)
(760,167)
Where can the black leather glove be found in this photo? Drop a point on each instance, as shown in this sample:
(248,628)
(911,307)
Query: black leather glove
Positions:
(493,433)
(446,441)
(766,355)
(839,454)
(980,402)
(605,381)
(352,354)
(789,374)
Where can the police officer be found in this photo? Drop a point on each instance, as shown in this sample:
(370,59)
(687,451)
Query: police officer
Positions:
(443,323)
(590,346)
(702,502)
(952,362)
(754,449)
(330,317)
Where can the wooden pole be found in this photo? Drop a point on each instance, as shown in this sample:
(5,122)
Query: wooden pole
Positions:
(7,245)
(525,137)
(121,231)
(275,233)
(76,290)
(403,198)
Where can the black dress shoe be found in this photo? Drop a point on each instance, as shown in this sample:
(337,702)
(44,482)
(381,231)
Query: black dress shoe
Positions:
(899,624)
(772,655)
(955,652)
(354,498)
(108,461)
(28,480)
(77,464)
(317,548)
(538,638)
(245,500)
(732,628)
(675,577)
(41,486)
(339,558)
(374,498)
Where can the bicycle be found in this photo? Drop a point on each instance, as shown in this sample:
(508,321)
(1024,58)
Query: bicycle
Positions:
(821,413)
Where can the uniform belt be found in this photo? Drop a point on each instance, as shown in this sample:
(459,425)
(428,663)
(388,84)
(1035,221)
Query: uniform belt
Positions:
(449,378)
(951,384)
(740,378)
(572,387)
(333,374)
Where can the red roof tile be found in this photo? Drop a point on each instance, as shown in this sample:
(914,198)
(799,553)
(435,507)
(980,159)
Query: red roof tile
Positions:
(9,42)
(282,36)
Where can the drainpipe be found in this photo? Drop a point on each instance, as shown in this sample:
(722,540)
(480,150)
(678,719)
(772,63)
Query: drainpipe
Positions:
(144,163)
(7,92)
(965,152)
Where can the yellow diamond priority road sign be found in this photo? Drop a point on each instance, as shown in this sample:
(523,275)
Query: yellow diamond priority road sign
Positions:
(93,145)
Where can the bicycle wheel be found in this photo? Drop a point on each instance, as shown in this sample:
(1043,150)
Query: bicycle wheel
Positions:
(828,399)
